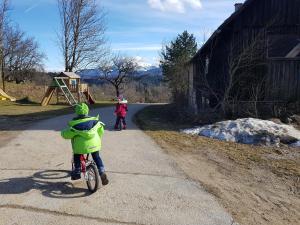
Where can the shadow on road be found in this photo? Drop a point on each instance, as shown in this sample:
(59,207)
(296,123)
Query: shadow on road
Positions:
(45,181)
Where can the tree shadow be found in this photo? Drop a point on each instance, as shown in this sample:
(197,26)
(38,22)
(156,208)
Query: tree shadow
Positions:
(160,117)
(47,182)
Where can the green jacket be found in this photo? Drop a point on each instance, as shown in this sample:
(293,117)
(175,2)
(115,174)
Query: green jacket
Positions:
(85,134)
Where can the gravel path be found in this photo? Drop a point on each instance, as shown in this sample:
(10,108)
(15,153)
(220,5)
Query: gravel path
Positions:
(146,186)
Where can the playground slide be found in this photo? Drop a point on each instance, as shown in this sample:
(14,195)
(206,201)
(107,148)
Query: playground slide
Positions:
(48,96)
(5,96)
(89,98)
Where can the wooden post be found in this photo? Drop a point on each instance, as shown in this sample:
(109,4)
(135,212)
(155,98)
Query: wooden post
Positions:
(78,89)
(57,95)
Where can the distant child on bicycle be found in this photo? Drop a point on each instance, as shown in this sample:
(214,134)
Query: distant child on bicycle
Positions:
(120,112)
(85,133)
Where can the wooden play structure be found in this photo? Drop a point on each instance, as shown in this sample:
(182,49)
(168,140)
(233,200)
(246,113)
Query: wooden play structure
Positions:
(4,96)
(69,87)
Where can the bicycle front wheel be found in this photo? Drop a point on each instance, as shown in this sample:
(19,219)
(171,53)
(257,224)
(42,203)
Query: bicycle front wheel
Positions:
(92,178)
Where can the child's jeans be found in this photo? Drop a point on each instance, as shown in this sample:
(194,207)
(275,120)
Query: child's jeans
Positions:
(120,119)
(97,159)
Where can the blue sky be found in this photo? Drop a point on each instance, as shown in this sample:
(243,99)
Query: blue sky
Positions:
(136,28)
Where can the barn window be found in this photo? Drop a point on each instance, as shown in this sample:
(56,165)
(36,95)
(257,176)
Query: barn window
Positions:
(284,46)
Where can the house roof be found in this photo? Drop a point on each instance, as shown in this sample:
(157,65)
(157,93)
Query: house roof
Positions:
(233,16)
(70,75)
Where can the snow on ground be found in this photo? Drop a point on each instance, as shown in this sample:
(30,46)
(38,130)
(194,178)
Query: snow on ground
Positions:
(296,144)
(249,131)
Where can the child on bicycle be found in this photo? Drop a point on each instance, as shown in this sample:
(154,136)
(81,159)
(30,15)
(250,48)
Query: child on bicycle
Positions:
(85,133)
(120,112)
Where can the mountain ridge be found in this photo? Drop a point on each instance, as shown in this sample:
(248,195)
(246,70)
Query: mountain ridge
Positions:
(141,71)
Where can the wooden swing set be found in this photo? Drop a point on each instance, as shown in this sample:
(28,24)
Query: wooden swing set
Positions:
(67,85)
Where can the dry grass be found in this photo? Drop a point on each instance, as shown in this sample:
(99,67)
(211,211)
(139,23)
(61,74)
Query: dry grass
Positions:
(29,91)
(15,117)
(258,185)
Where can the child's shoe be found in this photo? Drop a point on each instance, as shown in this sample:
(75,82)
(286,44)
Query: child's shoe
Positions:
(124,127)
(104,179)
(75,176)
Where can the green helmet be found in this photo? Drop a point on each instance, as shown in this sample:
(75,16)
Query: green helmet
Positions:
(82,109)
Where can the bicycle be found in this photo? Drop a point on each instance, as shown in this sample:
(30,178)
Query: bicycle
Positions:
(90,172)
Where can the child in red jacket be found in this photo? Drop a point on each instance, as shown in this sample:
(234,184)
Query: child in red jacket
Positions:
(121,110)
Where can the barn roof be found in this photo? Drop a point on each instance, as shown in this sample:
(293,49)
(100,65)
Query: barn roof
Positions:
(233,16)
(71,75)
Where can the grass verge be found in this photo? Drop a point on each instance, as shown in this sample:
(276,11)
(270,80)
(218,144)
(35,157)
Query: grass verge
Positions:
(16,116)
(256,184)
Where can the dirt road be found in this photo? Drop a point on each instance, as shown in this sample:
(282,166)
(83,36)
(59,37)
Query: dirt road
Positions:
(146,186)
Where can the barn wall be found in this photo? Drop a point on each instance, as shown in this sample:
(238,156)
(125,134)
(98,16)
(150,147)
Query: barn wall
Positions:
(267,17)
(191,90)
(283,80)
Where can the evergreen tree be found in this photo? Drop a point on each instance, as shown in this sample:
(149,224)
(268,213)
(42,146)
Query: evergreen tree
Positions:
(174,58)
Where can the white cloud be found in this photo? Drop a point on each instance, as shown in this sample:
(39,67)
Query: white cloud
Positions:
(142,62)
(178,6)
(196,4)
(156,4)
(155,61)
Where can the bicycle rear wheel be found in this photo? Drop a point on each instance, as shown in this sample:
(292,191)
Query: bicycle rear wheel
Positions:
(92,178)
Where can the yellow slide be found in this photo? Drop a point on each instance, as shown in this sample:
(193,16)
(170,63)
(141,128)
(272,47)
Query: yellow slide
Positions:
(4,96)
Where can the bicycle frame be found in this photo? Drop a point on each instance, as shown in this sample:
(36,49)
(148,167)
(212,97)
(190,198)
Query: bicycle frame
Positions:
(84,162)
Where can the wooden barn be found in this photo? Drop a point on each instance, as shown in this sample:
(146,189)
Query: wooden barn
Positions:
(253,56)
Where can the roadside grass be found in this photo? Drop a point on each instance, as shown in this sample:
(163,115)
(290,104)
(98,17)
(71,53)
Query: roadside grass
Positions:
(17,116)
(257,184)
(25,108)
(158,122)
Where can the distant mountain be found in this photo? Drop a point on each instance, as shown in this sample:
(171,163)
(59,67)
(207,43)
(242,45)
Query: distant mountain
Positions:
(142,71)
(89,73)
(152,71)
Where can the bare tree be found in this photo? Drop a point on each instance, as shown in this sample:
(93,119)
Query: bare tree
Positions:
(81,38)
(244,81)
(244,77)
(118,71)
(21,55)
(3,12)
(257,90)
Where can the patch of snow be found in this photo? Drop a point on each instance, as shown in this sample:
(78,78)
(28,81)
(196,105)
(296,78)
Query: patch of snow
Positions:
(249,131)
(296,144)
